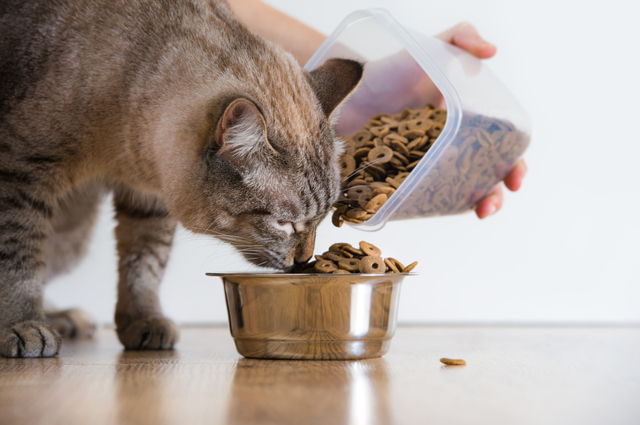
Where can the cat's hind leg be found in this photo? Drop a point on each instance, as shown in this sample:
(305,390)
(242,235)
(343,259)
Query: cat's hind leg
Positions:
(144,236)
(70,323)
(73,222)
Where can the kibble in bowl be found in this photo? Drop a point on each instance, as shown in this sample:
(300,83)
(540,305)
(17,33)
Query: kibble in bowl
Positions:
(343,258)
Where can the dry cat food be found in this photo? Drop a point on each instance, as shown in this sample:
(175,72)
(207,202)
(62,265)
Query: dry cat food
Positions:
(380,156)
(453,362)
(342,258)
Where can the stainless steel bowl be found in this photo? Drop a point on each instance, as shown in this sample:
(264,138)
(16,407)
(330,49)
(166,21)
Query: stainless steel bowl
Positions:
(312,316)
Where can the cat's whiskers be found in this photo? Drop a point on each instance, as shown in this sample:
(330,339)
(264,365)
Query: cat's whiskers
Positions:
(212,223)
(248,265)
(222,235)
(357,170)
(231,239)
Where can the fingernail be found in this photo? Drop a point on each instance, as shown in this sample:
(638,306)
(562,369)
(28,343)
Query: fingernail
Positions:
(492,209)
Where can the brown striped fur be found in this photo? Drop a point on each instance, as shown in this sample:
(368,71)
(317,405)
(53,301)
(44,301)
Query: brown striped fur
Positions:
(186,115)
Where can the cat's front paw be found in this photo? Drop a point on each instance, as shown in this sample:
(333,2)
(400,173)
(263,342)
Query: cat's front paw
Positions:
(72,323)
(29,339)
(151,333)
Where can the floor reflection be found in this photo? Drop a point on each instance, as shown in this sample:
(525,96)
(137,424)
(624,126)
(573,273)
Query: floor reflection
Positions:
(23,381)
(361,396)
(142,387)
(310,392)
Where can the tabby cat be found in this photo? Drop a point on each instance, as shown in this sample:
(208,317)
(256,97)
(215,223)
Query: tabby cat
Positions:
(181,111)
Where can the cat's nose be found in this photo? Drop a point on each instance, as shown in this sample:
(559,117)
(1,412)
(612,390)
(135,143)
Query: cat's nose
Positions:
(297,263)
(304,250)
(303,257)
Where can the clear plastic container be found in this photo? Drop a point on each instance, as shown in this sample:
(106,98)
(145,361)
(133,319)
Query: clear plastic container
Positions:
(486,130)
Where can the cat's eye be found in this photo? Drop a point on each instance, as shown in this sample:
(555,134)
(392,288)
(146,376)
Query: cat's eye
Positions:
(287,226)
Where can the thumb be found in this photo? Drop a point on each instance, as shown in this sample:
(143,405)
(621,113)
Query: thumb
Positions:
(465,36)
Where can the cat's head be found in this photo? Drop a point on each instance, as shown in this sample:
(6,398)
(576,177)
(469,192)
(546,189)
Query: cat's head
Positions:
(270,167)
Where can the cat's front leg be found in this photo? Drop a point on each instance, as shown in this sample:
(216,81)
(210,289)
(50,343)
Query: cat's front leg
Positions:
(144,235)
(25,226)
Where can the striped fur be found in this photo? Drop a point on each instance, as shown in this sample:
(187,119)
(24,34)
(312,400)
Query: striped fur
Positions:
(130,96)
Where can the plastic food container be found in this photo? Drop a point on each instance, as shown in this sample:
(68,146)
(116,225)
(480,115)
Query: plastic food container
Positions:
(486,130)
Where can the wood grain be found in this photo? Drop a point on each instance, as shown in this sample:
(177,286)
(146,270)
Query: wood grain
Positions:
(514,375)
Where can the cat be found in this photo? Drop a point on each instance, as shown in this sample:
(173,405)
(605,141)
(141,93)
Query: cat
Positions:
(181,111)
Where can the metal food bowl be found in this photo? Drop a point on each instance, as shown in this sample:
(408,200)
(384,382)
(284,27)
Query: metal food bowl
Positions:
(312,316)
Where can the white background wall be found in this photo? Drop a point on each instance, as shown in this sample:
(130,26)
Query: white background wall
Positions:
(563,250)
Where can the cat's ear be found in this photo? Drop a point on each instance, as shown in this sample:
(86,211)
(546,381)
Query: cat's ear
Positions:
(241,133)
(334,81)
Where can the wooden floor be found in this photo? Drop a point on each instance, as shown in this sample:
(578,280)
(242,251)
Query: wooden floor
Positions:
(514,375)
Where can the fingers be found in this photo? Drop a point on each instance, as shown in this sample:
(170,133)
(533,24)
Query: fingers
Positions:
(465,36)
(513,181)
(491,204)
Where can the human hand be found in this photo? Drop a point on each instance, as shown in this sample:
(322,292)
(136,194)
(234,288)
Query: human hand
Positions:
(465,36)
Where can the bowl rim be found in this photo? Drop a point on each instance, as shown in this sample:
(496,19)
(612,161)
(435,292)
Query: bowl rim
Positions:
(259,274)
